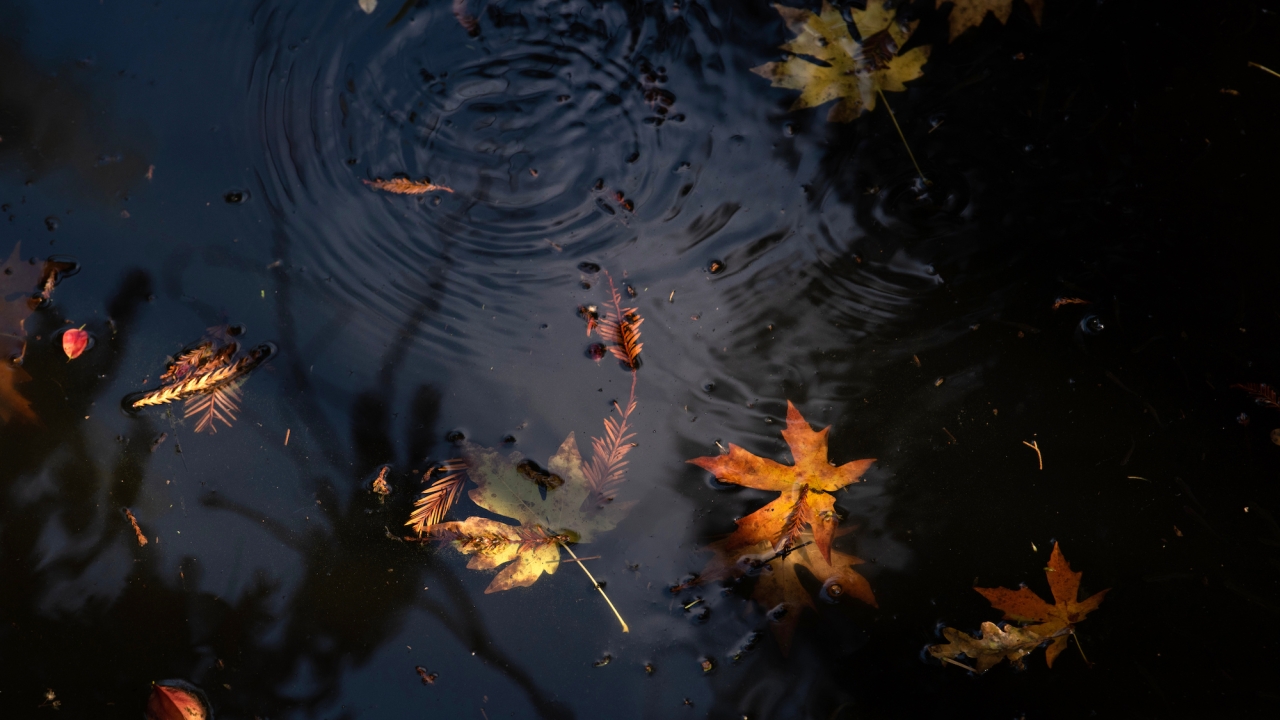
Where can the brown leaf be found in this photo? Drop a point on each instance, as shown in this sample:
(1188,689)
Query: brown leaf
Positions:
(967,14)
(1023,605)
(405,186)
(22,287)
(989,648)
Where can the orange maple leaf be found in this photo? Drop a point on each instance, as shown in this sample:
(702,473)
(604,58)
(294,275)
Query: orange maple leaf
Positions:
(774,541)
(1023,605)
(805,485)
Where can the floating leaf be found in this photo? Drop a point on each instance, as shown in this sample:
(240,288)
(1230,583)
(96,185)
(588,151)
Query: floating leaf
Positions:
(208,375)
(989,648)
(543,524)
(368,6)
(405,186)
(783,535)
(177,700)
(853,71)
(1023,605)
(967,14)
(74,342)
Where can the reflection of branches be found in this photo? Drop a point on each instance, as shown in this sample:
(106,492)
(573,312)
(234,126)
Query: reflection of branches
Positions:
(352,551)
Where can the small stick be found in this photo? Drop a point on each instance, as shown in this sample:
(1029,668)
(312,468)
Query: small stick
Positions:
(1081,649)
(904,137)
(1263,68)
(578,559)
(957,664)
(592,578)
(1035,446)
(286,436)
(953,437)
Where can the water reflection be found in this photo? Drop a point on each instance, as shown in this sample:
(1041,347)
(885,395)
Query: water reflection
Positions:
(774,258)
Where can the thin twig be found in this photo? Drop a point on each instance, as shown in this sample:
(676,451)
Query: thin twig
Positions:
(953,437)
(904,137)
(1263,68)
(578,560)
(1034,445)
(957,664)
(599,587)
(1081,649)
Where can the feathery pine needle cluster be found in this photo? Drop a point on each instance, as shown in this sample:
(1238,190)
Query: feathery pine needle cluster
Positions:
(208,376)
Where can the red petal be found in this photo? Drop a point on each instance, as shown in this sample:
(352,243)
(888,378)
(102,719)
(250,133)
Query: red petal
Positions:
(74,342)
(177,700)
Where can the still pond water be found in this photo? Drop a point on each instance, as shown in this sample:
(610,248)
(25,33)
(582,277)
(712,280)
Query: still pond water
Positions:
(202,164)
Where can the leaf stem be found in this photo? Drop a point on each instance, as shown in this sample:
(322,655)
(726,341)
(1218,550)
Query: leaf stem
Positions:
(910,154)
(957,664)
(1081,649)
(1263,68)
(591,577)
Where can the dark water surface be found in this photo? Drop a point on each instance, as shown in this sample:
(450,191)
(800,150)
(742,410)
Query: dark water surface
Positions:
(1097,157)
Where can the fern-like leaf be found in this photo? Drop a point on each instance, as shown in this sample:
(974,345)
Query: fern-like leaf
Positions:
(220,404)
(796,519)
(1262,393)
(435,501)
(620,328)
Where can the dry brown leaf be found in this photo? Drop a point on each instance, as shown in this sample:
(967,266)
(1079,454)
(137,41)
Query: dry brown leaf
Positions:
(989,648)
(1023,605)
(22,287)
(405,186)
(967,14)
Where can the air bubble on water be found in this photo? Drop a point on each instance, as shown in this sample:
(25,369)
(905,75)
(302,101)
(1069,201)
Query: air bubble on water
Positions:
(1092,324)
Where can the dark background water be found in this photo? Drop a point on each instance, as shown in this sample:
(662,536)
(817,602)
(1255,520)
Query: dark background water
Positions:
(1096,156)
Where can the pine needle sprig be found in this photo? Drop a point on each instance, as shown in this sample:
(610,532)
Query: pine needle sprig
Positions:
(203,382)
(221,403)
(199,357)
(796,519)
(430,508)
(1263,394)
(621,329)
(608,467)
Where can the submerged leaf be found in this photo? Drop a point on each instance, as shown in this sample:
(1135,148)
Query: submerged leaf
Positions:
(851,71)
(23,286)
(967,14)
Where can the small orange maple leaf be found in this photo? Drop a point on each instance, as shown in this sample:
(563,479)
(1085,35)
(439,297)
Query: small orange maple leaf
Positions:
(1023,605)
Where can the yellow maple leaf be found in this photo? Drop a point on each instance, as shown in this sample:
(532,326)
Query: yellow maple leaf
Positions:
(855,71)
(967,14)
